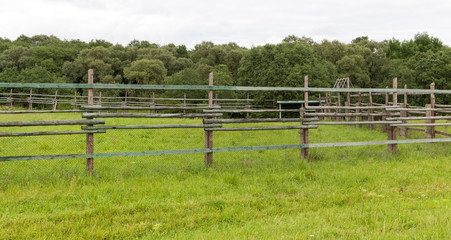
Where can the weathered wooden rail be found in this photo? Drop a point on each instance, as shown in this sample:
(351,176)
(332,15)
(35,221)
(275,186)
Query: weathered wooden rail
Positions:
(390,115)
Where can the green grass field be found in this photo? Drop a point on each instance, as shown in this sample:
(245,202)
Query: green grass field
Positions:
(345,193)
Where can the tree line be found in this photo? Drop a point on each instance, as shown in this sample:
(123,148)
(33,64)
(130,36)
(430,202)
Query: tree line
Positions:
(369,64)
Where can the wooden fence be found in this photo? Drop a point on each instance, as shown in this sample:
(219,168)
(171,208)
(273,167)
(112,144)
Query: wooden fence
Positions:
(391,115)
(76,101)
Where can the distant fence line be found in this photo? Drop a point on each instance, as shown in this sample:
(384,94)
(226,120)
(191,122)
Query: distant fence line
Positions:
(77,101)
(391,115)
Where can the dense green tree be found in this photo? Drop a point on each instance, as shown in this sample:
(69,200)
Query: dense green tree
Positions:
(331,51)
(4,44)
(16,56)
(10,74)
(146,71)
(283,64)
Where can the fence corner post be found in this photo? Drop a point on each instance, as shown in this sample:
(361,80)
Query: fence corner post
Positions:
(90,136)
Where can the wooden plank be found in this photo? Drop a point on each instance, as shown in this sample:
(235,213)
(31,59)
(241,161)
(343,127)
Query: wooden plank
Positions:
(420,118)
(262,128)
(353,123)
(421,125)
(97,107)
(417,129)
(350,114)
(346,107)
(225,149)
(259,120)
(41,111)
(416,109)
(151,126)
(443,133)
(23,134)
(204,87)
(149,115)
(248,110)
(52,123)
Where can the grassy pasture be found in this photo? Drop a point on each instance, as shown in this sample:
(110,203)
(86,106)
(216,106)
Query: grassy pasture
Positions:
(348,193)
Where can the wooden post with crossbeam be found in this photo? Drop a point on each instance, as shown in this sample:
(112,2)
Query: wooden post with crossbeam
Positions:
(209,134)
(90,136)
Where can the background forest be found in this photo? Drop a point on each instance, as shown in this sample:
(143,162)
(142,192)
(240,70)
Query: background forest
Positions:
(369,64)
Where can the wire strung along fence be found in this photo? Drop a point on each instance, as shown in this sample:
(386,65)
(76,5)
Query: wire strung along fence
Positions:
(216,117)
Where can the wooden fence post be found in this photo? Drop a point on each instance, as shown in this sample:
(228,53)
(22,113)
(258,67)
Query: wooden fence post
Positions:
(209,134)
(30,103)
(75,100)
(393,131)
(184,103)
(358,111)
(432,112)
(306,92)
(303,136)
(90,136)
(320,104)
(348,102)
(429,113)
(403,130)
(327,104)
(153,102)
(339,119)
(100,98)
(125,101)
(11,100)
(370,111)
(385,126)
(55,101)
(330,105)
(247,105)
(304,132)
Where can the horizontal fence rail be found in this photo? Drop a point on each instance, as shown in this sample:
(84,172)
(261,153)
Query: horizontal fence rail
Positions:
(217,88)
(224,149)
(51,123)
(22,134)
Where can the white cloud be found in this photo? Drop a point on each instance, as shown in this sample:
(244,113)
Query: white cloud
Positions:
(245,22)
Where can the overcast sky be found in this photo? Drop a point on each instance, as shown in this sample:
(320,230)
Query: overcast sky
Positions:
(248,23)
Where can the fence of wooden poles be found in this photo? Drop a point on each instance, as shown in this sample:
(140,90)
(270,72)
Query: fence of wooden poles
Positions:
(77,101)
(392,115)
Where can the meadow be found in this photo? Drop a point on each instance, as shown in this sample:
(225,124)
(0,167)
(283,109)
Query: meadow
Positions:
(343,193)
